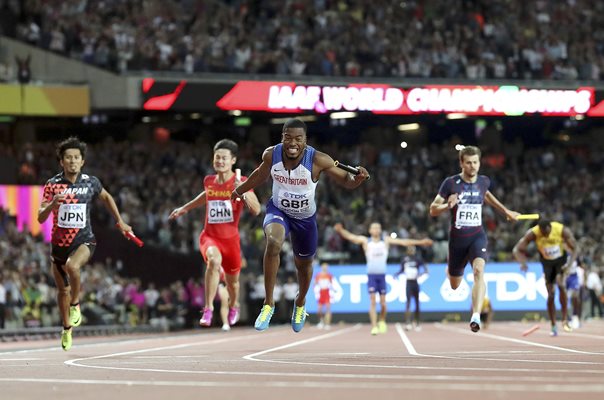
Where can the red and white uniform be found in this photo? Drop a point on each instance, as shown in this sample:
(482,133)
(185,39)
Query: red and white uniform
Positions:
(222,222)
(323,282)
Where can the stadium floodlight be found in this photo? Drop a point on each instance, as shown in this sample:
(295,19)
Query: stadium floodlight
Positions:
(409,127)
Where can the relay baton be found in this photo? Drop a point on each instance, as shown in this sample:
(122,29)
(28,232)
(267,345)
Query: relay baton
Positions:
(530,330)
(238,179)
(528,216)
(348,168)
(132,236)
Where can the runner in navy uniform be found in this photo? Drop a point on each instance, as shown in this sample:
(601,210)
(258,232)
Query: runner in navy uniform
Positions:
(463,195)
(413,267)
(69,196)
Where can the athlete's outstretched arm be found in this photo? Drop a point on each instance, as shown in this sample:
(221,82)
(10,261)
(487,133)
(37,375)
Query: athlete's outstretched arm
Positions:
(573,246)
(252,202)
(324,162)
(351,237)
(258,176)
(491,200)
(112,207)
(519,251)
(409,242)
(198,201)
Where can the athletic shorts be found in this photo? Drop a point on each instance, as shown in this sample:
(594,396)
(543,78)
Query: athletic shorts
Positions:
(324,297)
(376,283)
(304,232)
(60,255)
(572,282)
(464,249)
(412,289)
(551,268)
(230,250)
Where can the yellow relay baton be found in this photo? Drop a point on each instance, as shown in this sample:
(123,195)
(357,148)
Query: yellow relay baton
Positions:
(528,216)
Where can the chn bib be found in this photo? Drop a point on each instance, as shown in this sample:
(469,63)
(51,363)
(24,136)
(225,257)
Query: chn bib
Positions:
(220,211)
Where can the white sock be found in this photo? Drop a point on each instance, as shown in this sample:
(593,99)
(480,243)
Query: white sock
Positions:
(476,316)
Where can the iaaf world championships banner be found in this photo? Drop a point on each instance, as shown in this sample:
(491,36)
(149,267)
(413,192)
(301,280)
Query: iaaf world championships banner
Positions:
(508,288)
(384,99)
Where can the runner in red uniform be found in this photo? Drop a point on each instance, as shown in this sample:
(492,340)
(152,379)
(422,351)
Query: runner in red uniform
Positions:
(219,241)
(69,196)
(324,284)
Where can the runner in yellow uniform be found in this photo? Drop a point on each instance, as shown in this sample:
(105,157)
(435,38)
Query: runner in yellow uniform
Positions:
(552,239)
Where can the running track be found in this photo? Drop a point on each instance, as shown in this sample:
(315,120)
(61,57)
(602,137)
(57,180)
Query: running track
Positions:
(443,361)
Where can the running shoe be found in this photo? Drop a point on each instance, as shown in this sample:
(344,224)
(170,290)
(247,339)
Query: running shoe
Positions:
(264,318)
(475,324)
(374,331)
(206,317)
(408,327)
(233,315)
(66,339)
(75,316)
(554,331)
(298,317)
(225,327)
(566,326)
(382,327)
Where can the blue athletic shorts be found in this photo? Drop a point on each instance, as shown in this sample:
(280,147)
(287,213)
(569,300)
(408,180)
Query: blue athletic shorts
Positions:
(376,283)
(464,249)
(304,232)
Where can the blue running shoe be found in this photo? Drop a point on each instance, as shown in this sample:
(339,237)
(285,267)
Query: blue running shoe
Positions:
(475,324)
(554,331)
(298,317)
(264,318)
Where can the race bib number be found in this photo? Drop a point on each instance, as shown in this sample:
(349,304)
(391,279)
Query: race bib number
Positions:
(294,202)
(552,252)
(220,212)
(411,270)
(468,215)
(72,216)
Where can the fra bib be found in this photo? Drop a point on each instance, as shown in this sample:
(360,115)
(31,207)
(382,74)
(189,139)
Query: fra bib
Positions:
(468,215)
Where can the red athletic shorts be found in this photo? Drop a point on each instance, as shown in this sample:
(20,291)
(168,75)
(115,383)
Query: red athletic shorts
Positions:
(230,249)
(324,297)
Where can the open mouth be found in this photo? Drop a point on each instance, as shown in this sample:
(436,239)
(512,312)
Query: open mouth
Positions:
(292,151)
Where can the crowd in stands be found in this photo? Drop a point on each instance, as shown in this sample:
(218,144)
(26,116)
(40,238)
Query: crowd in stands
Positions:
(474,39)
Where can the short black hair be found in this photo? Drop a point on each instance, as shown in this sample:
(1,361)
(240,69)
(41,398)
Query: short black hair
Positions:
(544,223)
(227,144)
(71,142)
(294,123)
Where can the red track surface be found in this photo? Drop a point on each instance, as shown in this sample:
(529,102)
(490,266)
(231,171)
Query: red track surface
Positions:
(442,361)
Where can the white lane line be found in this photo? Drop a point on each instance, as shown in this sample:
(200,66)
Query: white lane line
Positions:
(160,357)
(412,351)
(252,357)
(360,384)
(575,332)
(518,341)
(114,343)
(76,361)
(406,341)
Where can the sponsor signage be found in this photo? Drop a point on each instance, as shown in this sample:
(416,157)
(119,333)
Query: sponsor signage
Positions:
(508,288)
